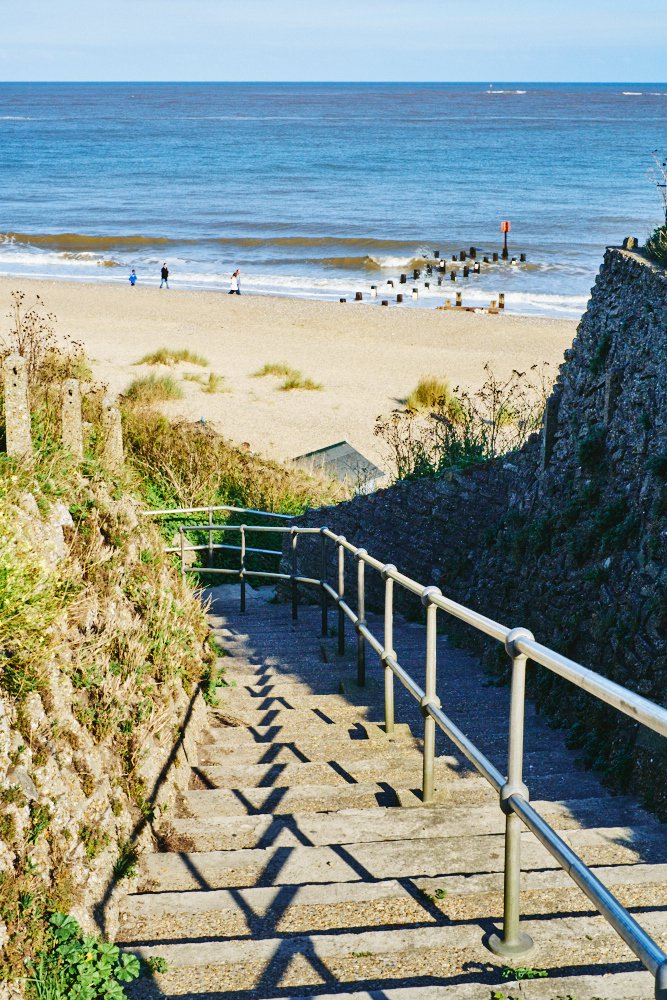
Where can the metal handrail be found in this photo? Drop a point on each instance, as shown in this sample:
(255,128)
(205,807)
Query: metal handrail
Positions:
(520,645)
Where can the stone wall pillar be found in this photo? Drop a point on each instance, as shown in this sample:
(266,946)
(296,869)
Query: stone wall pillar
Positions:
(72,426)
(17,407)
(113,435)
(549,428)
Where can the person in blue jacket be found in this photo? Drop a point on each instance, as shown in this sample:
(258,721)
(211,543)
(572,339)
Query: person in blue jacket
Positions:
(133,277)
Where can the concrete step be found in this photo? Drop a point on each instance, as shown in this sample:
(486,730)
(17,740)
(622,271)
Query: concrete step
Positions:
(254,700)
(261,912)
(390,956)
(311,727)
(305,750)
(331,821)
(610,986)
(284,856)
(403,772)
(280,715)
(219,803)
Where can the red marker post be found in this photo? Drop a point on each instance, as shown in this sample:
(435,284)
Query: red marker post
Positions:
(505,227)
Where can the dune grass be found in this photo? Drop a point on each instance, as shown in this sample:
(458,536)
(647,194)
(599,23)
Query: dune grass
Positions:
(213,384)
(153,389)
(169,356)
(297,381)
(280,369)
(429,392)
(293,379)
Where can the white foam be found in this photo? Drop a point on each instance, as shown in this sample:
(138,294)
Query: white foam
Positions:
(14,118)
(633,93)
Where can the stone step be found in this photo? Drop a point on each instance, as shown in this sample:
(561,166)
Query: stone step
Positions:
(321,711)
(610,986)
(363,814)
(390,956)
(305,750)
(219,803)
(335,732)
(262,912)
(242,699)
(400,772)
(293,861)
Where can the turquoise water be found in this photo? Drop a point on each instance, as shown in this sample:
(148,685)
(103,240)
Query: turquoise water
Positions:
(324,189)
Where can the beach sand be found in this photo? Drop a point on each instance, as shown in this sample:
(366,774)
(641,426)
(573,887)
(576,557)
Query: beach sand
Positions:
(367,358)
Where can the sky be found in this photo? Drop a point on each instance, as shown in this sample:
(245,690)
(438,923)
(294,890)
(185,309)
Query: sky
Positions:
(358,40)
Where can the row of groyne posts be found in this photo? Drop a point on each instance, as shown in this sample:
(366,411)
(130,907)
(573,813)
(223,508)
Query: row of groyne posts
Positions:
(18,430)
(437,268)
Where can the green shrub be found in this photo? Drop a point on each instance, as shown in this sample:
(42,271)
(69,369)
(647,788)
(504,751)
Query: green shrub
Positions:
(153,389)
(75,964)
(169,356)
(656,245)
(591,450)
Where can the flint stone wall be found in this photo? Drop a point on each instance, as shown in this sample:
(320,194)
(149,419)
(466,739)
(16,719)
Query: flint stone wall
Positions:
(567,537)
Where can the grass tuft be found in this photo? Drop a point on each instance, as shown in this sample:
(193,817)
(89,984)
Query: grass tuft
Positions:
(153,389)
(216,383)
(297,381)
(169,356)
(279,369)
(428,393)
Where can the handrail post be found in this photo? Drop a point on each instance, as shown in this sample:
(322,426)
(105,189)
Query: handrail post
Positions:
(295,606)
(430,697)
(242,570)
(388,649)
(323,580)
(182,537)
(513,941)
(210,537)
(341,594)
(361,615)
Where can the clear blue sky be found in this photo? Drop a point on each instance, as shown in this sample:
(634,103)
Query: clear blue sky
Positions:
(439,40)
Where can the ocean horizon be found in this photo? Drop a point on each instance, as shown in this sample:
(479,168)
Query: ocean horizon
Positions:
(323,189)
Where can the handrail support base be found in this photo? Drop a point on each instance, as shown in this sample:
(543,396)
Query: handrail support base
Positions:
(499,946)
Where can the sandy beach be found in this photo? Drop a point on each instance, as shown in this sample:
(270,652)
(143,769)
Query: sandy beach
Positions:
(367,358)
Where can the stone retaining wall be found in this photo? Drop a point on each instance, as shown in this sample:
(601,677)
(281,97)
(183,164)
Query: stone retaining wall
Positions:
(567,537)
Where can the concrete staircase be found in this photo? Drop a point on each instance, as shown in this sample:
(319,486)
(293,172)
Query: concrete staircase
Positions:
(302,862)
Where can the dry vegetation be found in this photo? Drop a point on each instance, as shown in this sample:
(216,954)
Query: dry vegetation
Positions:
(170,356)
(98,643)
(292,379)
(153,389)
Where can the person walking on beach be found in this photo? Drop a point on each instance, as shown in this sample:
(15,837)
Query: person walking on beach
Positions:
(235,283)
(164,275)
(133,278)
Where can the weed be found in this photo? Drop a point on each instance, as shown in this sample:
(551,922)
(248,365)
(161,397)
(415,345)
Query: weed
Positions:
(153,389)
(40,817)
(7,829)
(77,965)
(125,865)
(169,356)
(211,680)
(361,954)
(157,964)
(601,353)
(591,450)
(466,428)
(14,795)
(656,245)
(525,972)
(93,841)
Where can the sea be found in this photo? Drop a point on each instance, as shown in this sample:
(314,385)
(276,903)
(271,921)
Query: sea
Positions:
(324,190)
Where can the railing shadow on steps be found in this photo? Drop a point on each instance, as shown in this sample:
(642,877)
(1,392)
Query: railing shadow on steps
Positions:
(520,645)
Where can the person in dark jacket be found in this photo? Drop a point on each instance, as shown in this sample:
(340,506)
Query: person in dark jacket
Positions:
(164,275)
